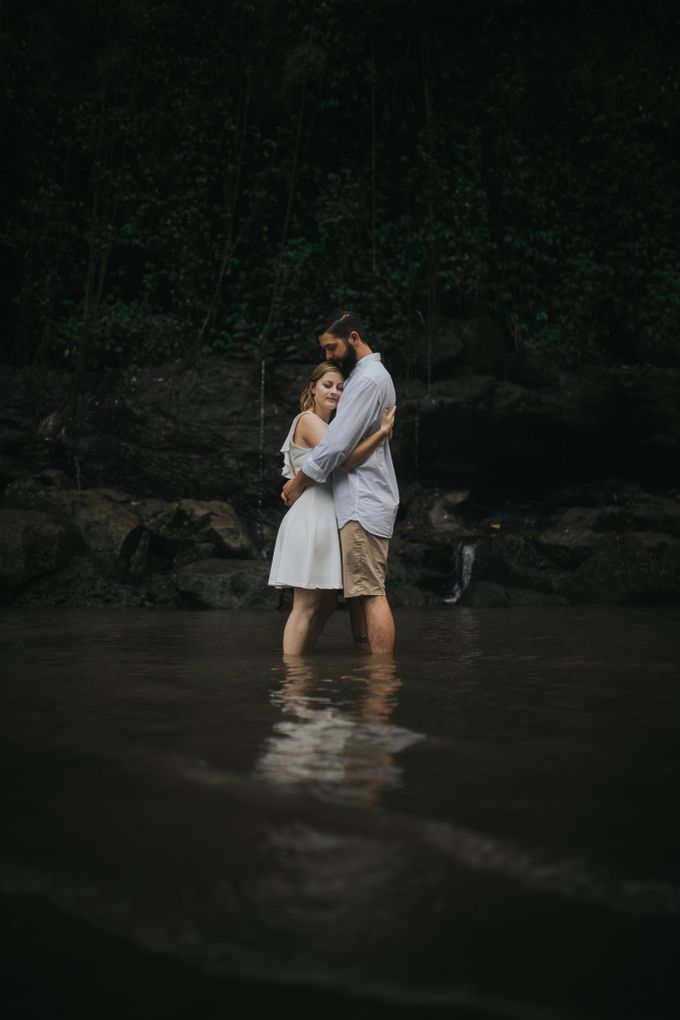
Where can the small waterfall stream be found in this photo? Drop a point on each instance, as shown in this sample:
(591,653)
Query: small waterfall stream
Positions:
(416,439)
(462,570)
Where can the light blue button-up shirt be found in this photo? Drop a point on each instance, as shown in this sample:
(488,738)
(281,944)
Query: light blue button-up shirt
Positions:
(369,492)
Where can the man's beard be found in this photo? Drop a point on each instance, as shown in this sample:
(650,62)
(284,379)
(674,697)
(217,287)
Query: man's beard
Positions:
(346,361)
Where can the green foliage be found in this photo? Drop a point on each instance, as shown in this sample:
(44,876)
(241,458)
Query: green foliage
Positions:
(210,180)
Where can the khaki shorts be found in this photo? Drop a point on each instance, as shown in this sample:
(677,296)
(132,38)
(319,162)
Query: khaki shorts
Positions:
(364,561)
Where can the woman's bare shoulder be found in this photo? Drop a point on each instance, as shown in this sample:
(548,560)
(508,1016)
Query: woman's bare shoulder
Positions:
(309,429)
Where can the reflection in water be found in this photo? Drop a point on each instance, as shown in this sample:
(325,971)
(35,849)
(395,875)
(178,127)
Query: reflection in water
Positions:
(522,861)
(335,735)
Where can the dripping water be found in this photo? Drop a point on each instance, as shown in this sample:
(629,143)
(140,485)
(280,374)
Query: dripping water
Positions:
(261,446)
(76,465)
(416,439)
(462,570)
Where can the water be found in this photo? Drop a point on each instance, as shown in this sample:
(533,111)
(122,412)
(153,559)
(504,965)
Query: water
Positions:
(462,570)
(485,827)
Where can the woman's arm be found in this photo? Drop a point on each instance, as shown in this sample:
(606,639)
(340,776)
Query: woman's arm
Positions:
(368,445)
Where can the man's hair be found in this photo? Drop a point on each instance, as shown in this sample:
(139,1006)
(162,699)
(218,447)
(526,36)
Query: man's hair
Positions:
(340,323)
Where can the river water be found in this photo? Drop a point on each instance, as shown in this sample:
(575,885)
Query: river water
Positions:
(485,826)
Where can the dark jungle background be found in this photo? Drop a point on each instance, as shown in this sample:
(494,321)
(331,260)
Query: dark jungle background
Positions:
(183,180)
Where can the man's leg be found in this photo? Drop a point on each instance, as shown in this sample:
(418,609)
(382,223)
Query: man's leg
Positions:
(357,619)
(364,564)
(379,624)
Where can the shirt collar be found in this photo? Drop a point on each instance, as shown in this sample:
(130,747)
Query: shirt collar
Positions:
(364,361)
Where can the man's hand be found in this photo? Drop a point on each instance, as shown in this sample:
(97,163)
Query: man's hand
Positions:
(293,489)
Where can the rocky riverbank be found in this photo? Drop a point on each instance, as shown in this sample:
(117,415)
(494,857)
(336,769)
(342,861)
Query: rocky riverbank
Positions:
(520,484)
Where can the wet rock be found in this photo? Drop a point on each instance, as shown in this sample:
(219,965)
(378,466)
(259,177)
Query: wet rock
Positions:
(149,510)
(29,393)
(529,371)
(32,544)
(12,440)
(110,531)
(138,557)
(490,595)
(27,488)
(10,470)
(404,595)
(194,552)
(442,515)
(572,538)
(107,528)
(641,512)
(208,522)
(635,569)
(415,564)
(220,524)
(516,562)
(599,492)
(495,430)
(81,584)
(538,469)
(462,391)
(175,432)
(225,584)
(576,533)
(471,344)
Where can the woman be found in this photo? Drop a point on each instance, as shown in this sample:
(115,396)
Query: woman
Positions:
(307,551)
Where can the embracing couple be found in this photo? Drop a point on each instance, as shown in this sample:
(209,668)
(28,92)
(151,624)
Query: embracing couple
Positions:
(336,533)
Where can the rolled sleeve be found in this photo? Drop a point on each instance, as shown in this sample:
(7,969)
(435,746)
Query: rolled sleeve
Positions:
(359,413)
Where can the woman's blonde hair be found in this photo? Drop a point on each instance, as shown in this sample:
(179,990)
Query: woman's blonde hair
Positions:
(307,397)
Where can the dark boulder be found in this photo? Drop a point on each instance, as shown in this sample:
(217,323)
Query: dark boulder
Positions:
(32,544)
(641,568)
(225,584)
(209,523)
(107,529)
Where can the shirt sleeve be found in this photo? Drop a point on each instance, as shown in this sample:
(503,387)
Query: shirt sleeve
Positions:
(358,413)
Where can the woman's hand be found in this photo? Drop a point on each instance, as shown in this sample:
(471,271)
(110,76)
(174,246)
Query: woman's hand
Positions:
(387,423)
(370,443)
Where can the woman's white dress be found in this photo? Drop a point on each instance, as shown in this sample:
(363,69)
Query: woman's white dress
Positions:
(307,550)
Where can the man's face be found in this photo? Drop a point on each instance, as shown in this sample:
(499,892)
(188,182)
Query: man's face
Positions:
(338,351)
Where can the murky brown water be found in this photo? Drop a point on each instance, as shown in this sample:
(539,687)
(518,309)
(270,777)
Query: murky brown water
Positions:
(487,826)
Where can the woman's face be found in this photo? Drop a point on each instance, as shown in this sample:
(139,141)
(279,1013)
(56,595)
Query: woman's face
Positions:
(326,392)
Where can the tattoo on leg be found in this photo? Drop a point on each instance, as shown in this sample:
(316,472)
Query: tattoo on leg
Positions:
(360,639)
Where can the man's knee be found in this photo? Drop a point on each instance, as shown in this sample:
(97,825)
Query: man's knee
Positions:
(376,604)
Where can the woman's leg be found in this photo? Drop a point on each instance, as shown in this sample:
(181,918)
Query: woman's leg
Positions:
(306,606)
(328,602)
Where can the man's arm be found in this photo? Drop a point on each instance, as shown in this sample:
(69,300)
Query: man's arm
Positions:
(357,413)
(366,447)
(294,488)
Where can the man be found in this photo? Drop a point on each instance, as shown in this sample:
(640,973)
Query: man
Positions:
(366,499)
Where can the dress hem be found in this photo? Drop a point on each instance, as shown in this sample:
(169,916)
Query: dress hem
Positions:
(316,587)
